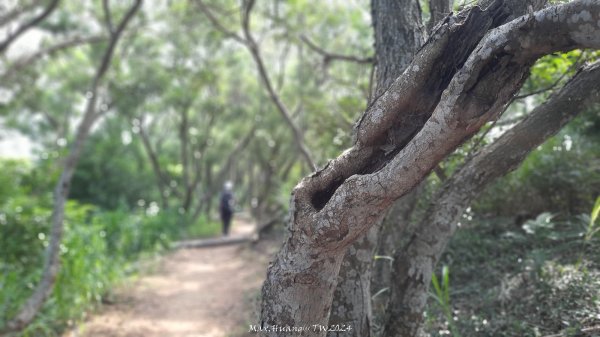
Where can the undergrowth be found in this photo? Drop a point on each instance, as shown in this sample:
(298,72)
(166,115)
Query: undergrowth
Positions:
(531,279)
(99,249)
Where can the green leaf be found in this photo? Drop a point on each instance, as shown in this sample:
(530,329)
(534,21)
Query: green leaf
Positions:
(595,212)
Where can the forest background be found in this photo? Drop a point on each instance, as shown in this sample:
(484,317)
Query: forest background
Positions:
(173,105)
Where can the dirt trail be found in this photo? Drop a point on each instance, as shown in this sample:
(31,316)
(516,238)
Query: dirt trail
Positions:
(206,292)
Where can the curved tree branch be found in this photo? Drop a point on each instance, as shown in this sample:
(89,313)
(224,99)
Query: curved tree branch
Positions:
(28,60)
(329,56)
(29,24)
(159,175)
(262,70)
(253,48)
(108,16)
(217,24)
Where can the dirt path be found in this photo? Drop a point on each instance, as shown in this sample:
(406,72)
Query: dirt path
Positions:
(207,292)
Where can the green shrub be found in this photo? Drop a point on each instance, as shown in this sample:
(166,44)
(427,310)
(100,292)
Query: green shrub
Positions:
(98,249)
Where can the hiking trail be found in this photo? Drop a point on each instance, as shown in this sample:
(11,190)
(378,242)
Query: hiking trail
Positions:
(203,292)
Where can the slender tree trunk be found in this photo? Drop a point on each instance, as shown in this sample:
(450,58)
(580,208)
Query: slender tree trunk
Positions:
(214,185)
(184,146)
(414,265)
(159,176)
(51,266)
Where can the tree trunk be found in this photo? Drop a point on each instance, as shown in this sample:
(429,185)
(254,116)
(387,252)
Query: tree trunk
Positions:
(352,297)
(161,179)
(454,91)
(51,266)
(398,34)
(414,265)
(184,126)
(438,10)
(393,229)
(397,38)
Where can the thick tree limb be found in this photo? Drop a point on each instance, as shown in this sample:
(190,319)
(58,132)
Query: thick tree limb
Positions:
(52,255)
(478,92)
(27,25)
(406,113)
(413,266)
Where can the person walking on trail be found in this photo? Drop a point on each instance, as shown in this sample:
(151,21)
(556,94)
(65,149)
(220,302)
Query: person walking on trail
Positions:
(226,206)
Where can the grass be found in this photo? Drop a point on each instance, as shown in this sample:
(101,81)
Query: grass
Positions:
(203,228)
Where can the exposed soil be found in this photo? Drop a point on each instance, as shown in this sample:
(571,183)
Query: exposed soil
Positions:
(205,292)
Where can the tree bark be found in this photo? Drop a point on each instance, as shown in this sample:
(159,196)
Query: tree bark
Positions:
(51,266)
(438,10)
(398,34)
(414,265)
(333,207)
(351,303)
(393,229)
(352,298)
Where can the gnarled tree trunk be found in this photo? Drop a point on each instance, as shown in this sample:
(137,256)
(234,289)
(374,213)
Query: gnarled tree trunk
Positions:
(452,91)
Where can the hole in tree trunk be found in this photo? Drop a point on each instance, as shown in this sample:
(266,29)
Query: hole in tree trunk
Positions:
(321,197)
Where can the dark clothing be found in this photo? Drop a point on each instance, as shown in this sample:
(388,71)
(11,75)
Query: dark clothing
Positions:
(226,210)
(226,219)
